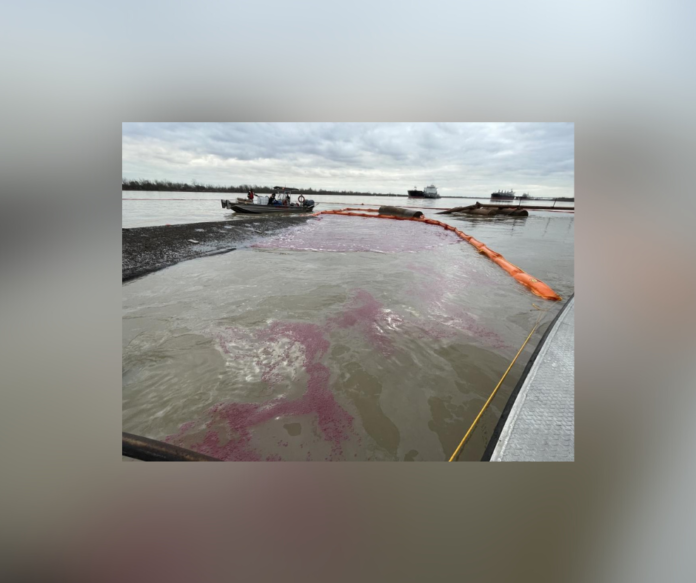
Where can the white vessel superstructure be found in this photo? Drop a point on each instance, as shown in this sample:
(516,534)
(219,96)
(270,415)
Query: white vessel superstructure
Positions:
(430,192)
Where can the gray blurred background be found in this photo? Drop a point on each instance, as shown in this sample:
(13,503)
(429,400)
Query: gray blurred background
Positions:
(73,72)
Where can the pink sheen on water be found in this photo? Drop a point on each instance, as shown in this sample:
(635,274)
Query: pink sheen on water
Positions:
(237,419)
(366,314)
(229,425)
(355,234)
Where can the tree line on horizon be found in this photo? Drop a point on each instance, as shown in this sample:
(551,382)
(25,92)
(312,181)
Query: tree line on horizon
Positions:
(168,186)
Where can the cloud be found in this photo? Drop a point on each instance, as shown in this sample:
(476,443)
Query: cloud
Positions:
(460,158)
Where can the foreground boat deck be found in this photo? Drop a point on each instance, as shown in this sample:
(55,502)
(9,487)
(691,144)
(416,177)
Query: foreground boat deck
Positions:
(541,423)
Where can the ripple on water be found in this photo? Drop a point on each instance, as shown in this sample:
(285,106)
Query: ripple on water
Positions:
(355,234)
(229,426)
(335,423)
(322,355)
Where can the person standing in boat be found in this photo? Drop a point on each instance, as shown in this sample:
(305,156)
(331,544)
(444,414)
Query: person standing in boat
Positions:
(250,196)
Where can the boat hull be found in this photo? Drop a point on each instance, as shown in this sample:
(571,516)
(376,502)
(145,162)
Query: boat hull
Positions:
(257,209)
(421,194)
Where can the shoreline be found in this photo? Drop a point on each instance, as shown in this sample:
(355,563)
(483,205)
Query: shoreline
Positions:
(145,250)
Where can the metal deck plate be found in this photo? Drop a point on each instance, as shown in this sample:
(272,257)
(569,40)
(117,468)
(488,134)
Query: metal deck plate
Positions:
(541,425)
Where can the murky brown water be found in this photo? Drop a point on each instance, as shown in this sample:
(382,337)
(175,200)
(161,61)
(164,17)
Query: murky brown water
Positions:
(344,339)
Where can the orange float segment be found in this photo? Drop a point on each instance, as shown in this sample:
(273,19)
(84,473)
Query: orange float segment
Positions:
(507,266)
(463,235)
(538,287)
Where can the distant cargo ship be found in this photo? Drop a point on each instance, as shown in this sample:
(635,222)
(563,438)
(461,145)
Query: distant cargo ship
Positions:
(428,192)
(503,195)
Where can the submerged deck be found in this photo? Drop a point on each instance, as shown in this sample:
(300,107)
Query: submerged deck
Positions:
(541,423)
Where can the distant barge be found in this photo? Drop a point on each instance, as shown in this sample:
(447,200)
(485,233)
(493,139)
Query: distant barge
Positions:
(510,195)
(503,195)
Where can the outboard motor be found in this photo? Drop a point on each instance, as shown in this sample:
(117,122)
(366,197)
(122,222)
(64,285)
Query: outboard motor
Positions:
(308,203)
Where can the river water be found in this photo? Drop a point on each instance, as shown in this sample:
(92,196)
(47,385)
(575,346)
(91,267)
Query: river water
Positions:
(344,338)
(145,208)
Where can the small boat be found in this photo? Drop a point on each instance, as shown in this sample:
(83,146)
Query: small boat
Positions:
(256,209)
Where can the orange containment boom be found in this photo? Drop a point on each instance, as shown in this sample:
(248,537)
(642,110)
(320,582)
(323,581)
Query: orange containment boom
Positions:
(537,286)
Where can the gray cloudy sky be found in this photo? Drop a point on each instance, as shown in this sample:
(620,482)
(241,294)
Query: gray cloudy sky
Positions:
(459,158)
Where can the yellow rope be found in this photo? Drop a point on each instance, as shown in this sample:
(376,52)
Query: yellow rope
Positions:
(500,382)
